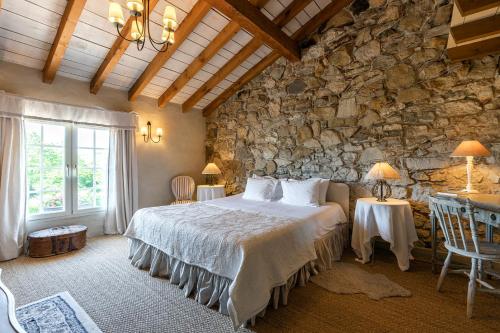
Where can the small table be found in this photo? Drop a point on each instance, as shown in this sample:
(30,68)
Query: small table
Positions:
(210,192)
(392,220)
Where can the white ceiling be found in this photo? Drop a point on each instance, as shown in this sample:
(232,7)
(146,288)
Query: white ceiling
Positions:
(28,27)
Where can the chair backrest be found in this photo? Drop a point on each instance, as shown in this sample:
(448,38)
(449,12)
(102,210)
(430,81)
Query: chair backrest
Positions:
(458,224)
(183,187)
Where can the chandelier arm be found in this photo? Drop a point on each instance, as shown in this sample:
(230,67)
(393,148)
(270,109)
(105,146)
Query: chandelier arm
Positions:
(161,49)
(151,39)
(124,37)
(143,33)
(159,46)
(140,45)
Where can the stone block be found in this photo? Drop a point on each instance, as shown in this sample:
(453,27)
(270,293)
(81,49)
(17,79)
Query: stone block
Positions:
(347,108)
(400,76)
(368,51)
(426,163)
(329,138)
(371,155)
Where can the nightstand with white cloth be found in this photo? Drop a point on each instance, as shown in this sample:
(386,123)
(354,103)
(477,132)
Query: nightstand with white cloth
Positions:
(392,220)
(210,192)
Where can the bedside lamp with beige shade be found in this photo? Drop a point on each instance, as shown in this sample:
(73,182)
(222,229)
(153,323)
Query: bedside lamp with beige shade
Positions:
(211,170)
(469,150)
(381,172)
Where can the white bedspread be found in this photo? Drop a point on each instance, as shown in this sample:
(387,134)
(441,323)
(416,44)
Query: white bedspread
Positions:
(257,245)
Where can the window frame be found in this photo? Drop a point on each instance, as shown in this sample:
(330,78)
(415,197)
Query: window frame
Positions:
(70,174)
(67,175)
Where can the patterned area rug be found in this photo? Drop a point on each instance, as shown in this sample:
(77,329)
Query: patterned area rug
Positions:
(345,278)
(59,313)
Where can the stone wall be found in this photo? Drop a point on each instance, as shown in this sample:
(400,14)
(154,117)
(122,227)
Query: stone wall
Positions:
(374,84)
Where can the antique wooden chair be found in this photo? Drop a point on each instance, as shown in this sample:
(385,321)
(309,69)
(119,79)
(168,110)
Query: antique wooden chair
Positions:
(461,237)
(183,189)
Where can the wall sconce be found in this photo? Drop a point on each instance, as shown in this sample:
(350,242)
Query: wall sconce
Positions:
(146,133)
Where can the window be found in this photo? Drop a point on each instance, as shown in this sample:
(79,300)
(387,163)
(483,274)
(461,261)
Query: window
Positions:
(45,168)
(92,167)
(66,168)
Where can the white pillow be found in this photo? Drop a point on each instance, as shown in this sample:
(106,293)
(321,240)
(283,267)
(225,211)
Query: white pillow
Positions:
(301,192)
(323,189)
(278,191)
(259,189)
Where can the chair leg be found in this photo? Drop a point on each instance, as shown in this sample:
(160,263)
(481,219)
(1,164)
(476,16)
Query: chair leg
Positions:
(481,272)
(444,270)
(471,292)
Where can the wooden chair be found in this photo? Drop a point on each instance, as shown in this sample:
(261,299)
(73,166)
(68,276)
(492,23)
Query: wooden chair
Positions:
(183,189)
(8,321)
(461,237)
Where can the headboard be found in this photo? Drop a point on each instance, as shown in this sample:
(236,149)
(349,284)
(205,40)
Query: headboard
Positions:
(339,193)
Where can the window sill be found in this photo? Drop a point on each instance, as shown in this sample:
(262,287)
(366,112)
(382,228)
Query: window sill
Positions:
(47,218)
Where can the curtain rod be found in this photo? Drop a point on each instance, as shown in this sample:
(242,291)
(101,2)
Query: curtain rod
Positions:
(64,104)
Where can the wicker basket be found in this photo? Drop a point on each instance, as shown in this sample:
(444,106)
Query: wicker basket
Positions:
(49,242)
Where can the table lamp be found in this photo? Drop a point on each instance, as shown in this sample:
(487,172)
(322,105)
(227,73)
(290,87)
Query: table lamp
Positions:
(470,149)
(381,172)
(210,171)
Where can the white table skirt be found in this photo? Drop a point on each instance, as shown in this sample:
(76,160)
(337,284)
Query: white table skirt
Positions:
(210,192)
(392,220)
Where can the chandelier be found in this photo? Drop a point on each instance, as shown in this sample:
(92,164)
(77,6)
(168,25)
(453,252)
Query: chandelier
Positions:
(139,10)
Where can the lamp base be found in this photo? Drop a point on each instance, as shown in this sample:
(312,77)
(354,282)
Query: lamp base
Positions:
(210,180)
(381,191)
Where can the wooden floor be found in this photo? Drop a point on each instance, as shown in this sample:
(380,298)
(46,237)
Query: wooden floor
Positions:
(313,309)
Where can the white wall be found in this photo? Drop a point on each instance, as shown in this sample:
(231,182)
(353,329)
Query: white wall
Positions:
(180,152)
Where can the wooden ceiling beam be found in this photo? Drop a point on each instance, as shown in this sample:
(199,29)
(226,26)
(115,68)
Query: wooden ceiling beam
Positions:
(215,45)
(286,16)
(204,57)
(115,53)
(468,7)
(475,49)
(200,9)
(253,20)
(64,33)
(481,28)
(313,24)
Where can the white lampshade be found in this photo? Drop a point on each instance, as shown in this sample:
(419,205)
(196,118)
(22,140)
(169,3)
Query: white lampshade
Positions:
(470,148)
(137,31)
(168,36)
(115,13)
(211,169)
(170,18)
(159,131)
(135,5)
(382,171)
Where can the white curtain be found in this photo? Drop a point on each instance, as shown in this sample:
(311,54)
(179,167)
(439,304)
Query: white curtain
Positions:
(122,178)
(12,187)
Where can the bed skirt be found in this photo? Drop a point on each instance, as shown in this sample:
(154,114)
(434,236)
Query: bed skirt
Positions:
(213,290)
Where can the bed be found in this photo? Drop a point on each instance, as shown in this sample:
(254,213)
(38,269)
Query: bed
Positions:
(240,255)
